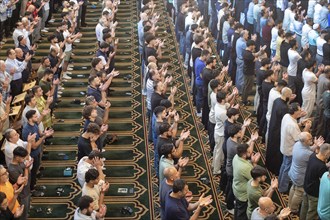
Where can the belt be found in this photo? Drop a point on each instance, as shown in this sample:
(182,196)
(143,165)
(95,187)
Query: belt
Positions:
(320,55)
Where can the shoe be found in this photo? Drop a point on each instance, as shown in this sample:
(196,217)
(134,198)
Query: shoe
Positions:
(93,6)
(59,92)
(61,88)
(69,68)
(103,150)
(199,115)
(71,65)
(51,20)
(231,211)
(44,30)
(68,73)
(59,96)
(66,77)
(77,41)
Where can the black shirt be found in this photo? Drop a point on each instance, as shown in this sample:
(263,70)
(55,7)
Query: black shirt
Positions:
(233,46)
(149,51)
(249,64)
(181,22)
(207,75)
(260,77)
(156,99)
(84,147)
(315,169)
(266,87)
(284,54)
(7,215)
(326,54)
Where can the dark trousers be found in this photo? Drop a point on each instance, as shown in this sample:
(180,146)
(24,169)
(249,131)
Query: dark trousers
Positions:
(4,29)
(83,13)
(232,69)
(205,113)
(16,87)
(326,130)
(230,198)
(247,87)
(34,171)
(210,130)
(240,210)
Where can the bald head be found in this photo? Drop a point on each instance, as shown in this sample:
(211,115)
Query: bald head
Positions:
(305,138)
(170,173)
(152,59)
(286,92)
(265,202)
(19,52)
(143,16)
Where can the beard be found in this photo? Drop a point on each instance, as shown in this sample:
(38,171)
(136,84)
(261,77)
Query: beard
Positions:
(88,213)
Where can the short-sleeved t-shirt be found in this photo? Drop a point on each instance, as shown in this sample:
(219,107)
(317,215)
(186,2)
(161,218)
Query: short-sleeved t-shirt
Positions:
(94,92)
(254,193)
(8,189)
(93,192)
(161,141)
(82,168)
(231,152)
(164,163)
(15,170)
(176,209)
(249,64)
(242,174)
(149,51)
(156,99)
(315,169)
(164,190)
(45,86)
(84,147)
(27,129)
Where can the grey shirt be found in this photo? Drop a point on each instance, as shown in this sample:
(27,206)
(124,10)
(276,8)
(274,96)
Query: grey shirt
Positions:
(300,158)
(256,215)
(231,152)
(322,86)
(14,172)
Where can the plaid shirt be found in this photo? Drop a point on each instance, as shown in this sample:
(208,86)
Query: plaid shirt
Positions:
(5,12)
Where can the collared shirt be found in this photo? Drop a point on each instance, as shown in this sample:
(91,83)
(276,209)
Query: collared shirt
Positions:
(242,174)
(304,34)
(3,77)
(312,35)
(289,134)
(240,46)
(225,29)
(319,45)
(17,32)
(199,66)
(220,118)
(300,157)
(24,119)
(310,10)
(324,17)
(317,11)
(19,67)
(41,105)
(249,15)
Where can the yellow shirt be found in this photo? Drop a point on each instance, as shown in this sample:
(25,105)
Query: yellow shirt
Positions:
(41,105)
(9,191)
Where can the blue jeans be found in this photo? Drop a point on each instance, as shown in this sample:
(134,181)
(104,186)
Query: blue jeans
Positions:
(283,178)
(182,42)
(199,97)
(155,137)
(239,75)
